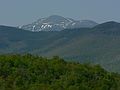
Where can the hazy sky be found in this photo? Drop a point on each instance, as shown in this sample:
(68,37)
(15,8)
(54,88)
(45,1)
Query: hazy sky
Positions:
(19,12)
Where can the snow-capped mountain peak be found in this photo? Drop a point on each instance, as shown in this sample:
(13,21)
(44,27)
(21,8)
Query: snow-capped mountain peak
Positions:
(57,23)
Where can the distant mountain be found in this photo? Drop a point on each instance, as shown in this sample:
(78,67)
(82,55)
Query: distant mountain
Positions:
(110,27)
(100,44)
(57,23)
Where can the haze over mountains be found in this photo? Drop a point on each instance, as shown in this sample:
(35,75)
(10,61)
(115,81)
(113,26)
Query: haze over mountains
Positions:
(57,23)
(99,44)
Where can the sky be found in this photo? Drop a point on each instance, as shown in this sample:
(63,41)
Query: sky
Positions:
(20,12)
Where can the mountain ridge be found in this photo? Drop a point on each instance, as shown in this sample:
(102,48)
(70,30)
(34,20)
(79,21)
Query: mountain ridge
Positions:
(97,45)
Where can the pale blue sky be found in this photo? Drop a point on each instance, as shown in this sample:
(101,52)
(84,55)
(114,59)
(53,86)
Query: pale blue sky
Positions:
(19,12)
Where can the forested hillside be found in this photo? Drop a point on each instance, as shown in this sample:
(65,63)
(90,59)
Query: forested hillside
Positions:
(27,72)
(98,45)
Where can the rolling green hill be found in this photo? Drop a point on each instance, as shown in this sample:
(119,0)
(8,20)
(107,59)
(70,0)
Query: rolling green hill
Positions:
(100,44)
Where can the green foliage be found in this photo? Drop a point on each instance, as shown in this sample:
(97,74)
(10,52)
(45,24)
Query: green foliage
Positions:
(27,72)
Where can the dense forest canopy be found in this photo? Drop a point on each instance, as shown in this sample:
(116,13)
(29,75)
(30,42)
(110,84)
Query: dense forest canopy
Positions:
(28,72)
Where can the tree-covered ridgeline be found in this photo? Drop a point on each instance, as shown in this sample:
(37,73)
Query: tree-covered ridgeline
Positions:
(28,72)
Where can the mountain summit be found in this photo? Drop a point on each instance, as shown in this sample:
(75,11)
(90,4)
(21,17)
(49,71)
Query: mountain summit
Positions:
(57,23)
